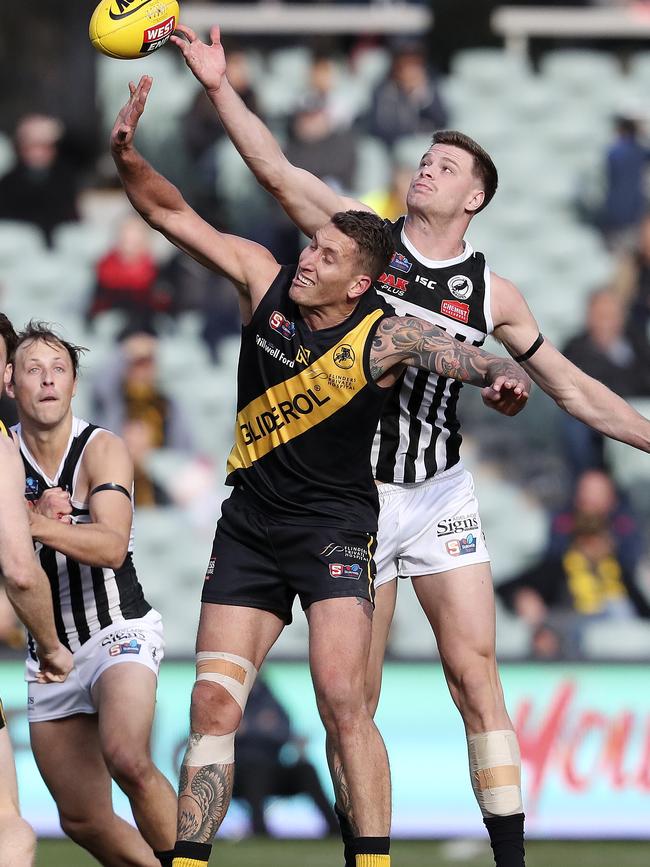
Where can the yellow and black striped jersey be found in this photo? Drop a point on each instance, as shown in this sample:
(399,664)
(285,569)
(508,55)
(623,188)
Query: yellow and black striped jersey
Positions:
(307,412)
(3,428)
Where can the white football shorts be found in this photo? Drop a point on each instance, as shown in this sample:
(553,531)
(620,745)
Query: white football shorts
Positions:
(428,527)
(139,640)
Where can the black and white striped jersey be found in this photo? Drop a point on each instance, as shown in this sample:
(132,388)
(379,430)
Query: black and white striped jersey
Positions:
(419,432)
(86,598)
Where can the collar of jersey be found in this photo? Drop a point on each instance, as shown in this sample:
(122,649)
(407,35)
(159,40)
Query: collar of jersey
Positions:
(436,263)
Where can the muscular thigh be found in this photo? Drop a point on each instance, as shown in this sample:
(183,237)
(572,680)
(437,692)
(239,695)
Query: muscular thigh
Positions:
(339,644)
(459,605)
(129,685)
(69,757)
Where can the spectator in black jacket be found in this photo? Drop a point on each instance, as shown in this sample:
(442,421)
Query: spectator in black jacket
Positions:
(265,766)
(603,351)
(42,187)
(407,102)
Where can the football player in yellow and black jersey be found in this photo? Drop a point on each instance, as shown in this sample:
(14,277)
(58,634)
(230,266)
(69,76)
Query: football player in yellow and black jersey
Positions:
(318,355)
(430,526)
(29,592)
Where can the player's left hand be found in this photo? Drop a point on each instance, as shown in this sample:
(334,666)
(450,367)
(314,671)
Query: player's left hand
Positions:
(506,395)
(56,665)
(130,113)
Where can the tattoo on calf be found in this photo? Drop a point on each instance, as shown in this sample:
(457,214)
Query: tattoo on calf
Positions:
(203,798)
(343,801)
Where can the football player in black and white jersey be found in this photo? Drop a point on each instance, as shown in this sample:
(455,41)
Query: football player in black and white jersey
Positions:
(437,276)
(29,592)
(95,727)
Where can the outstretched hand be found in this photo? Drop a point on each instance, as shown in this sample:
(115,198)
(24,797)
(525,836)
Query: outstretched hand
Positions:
(507,395)
(207,62)
(127,120)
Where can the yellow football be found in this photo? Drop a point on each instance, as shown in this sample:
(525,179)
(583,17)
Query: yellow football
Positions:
(127,29)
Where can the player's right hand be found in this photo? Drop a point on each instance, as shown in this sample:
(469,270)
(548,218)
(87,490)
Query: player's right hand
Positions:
(207,62)
(55,665)
(129,115)
(54,503)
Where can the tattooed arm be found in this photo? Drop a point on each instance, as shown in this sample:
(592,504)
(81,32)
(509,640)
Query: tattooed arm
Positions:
(414,342)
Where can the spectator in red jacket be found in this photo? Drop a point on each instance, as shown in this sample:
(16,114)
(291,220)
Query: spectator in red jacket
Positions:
(127,274)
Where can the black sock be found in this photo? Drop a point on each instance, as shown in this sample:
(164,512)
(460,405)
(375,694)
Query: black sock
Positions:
(507,839)
(184,849)
(165,858)
(371,846)
(347,835)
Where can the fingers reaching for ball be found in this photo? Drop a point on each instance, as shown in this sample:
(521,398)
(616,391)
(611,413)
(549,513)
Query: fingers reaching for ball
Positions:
(206,62)
(129,115)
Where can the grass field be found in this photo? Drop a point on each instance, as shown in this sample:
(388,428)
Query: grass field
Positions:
(276,853)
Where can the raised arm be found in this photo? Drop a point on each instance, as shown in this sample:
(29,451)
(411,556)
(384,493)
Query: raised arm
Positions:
(307,200)
(574,391)
(27,586)
(407,340)
(250,266)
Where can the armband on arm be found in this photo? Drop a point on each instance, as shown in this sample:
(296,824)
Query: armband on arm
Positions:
(530,352)
(111,486)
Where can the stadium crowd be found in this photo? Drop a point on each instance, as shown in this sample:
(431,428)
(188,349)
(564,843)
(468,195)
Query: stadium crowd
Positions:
(358,112)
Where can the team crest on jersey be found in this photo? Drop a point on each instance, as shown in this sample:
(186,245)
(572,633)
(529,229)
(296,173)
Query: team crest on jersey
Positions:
(281,324)
(460,286)
(346,570)
(31,488)
(344,356)
(400,263)
(455,310)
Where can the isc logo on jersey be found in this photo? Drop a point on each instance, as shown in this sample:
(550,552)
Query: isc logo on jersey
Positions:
(127,29)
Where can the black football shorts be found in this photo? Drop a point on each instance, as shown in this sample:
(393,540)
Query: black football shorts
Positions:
(259,562)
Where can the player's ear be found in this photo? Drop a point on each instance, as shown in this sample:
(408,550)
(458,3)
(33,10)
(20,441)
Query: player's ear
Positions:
(9,381)
(475,202)
(363,283)
(8,375)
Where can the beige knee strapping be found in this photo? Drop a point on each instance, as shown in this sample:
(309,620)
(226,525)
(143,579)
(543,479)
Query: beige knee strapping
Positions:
(495,769)
(237,676)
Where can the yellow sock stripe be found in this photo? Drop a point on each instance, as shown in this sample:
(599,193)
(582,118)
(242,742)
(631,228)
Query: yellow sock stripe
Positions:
(188,862)
(368,861)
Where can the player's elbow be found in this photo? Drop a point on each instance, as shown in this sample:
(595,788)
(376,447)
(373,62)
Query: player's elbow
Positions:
(19,575)
(115,552)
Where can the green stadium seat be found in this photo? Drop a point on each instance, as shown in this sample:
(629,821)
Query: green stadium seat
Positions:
(53,281)
(489,69)
(408,151)
(580,70)
(621,640)
(19,242)
(373,168)
(513,634)
(371,65)
(87,241)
